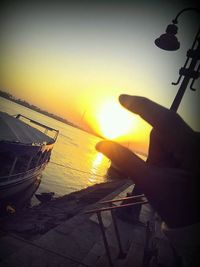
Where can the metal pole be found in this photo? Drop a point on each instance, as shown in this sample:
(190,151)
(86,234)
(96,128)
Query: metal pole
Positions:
(121,252)
(104,239)
(186,80)
(29,163)
(146,247)
(180,94)
(13,166)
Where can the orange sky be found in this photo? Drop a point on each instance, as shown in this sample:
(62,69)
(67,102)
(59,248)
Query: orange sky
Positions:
(74,59)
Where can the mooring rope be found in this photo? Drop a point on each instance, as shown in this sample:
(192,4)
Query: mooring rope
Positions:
(78,170)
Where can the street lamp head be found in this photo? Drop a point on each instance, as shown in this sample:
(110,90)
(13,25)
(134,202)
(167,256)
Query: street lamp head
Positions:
(168,40)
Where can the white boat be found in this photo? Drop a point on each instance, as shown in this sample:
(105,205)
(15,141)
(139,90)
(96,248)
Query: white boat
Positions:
(25,150)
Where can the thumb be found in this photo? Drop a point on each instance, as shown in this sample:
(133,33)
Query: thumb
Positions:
(165,188)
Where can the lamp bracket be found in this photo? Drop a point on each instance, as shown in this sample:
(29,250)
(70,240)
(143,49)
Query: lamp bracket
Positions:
(175,20)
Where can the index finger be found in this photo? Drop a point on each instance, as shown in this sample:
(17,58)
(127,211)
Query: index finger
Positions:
(159,117)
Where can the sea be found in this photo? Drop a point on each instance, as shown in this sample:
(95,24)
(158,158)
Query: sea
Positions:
(74,163)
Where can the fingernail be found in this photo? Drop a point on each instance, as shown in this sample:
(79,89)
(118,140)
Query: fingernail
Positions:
(98,146)
(123,98)
(105,147)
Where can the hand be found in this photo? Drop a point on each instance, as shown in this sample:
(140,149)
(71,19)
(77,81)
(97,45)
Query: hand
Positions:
(170,176)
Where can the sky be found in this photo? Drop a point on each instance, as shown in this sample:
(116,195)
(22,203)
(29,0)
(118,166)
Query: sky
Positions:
(74,58)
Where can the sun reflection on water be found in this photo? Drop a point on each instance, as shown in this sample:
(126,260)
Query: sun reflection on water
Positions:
(98,162)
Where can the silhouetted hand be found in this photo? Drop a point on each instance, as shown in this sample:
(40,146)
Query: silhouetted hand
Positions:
(170,176)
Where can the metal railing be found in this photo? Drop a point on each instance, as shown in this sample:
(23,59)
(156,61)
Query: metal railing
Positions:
(112,208)
(45,127)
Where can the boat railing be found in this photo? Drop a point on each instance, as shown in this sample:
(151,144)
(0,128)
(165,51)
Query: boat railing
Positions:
(18,175)
(45,127)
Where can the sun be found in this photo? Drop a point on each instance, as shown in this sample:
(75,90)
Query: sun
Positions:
(114,120)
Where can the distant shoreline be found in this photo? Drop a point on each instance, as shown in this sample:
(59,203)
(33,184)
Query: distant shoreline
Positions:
(46,113)
(38,110)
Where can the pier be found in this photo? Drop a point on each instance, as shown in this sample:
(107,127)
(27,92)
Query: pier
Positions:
(61,232)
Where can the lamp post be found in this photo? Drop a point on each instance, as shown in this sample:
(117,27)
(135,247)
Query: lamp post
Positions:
(190,71)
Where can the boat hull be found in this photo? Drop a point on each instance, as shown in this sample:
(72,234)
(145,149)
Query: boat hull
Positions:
(16,184)
(25,150)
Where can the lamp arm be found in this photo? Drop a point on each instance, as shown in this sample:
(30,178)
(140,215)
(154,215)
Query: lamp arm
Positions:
(175,21)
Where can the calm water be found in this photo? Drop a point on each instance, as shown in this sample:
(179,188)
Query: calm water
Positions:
(74,149)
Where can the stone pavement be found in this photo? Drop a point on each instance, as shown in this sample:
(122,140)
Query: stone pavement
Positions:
(78,242)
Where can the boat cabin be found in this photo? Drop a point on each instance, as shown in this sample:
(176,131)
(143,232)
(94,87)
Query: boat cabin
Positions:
(22,146)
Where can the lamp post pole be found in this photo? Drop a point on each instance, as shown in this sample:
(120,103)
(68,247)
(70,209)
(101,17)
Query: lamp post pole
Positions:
(189,71)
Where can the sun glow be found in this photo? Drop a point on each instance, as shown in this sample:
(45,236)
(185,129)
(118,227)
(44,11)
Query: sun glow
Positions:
(114,120)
